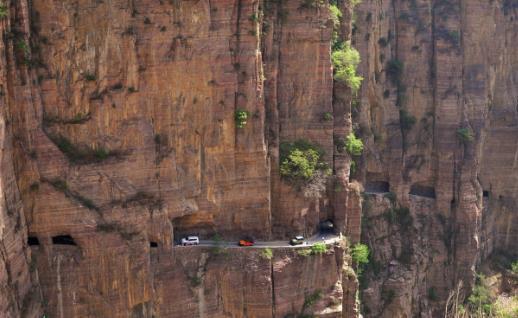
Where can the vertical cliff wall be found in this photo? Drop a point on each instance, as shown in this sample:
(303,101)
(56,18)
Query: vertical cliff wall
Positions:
(120,138)
(438,115)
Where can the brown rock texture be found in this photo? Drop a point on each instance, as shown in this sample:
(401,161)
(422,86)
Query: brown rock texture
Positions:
(435,70)
(119,138)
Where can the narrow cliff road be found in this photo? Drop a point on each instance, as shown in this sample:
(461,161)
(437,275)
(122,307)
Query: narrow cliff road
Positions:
(326,238)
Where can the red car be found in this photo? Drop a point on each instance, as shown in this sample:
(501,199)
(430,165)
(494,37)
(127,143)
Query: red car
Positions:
(246,243)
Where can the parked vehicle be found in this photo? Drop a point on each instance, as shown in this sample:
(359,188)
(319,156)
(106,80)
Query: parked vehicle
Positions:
(297,240)
(247,241)
(190,240)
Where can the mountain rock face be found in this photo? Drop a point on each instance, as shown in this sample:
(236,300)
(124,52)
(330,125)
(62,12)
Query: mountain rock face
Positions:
(120,135)
(438,112)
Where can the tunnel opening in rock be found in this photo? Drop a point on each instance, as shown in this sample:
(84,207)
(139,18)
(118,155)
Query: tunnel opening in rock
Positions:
(199,224)
(33,241)
(485,194)
(153,244)
(377,187)
(422,191)
(63,240)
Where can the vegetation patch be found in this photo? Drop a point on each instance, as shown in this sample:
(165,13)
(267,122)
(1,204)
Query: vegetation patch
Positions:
(465,135)
(62,186)
(345,60)
(406,120)
(327,116)
(395,71)
(82,154)
(79,118)
(353,145)
(318,248)
(311,4)
(401,216)
(241,117)
(311,299)
(432,294)
(3,11)
(141,198)
(514,267)
(267,253)
(300,160)
(360,254)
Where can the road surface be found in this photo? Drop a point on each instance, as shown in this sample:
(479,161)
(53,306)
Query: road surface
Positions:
(326,238)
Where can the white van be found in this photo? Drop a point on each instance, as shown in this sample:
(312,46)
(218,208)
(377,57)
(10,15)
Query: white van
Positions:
(190,240)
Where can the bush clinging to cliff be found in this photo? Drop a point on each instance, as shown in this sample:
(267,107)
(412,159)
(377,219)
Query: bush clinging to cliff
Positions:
(300,160)
(345,60)
(241,117)
(465,134)
(3,11)
(353,145)
(360,254)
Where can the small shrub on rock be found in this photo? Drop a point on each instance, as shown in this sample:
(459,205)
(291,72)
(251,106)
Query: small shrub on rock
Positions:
(465,134)
(241,118)
(318,248)
(360,254)
(353,145)
(300,160)
(345,60)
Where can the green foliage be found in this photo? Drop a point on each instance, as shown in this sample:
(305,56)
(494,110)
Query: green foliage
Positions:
(345,60)
(406,121)
(23,46)
(354,3)
(353,145)
(62,186)
(318,248)
(311,299)
(353,167)
(195,281)
(3,11)
(391,196)
(327,116)
(432,294)
(90,77)
(59,184)
(254,17)
(465,134)
(480,298)
(81,154)
(311,4)
(241,117)
(300,160)
(267,253)
(395,70)
(360,254)
(400,215)
(304,252)
(336,15)
(514,267)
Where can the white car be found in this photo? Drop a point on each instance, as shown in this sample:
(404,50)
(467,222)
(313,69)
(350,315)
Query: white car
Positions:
(190,240)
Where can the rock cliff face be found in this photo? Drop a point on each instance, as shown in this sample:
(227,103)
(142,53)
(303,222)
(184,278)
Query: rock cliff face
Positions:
(438,113)
(119,137)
